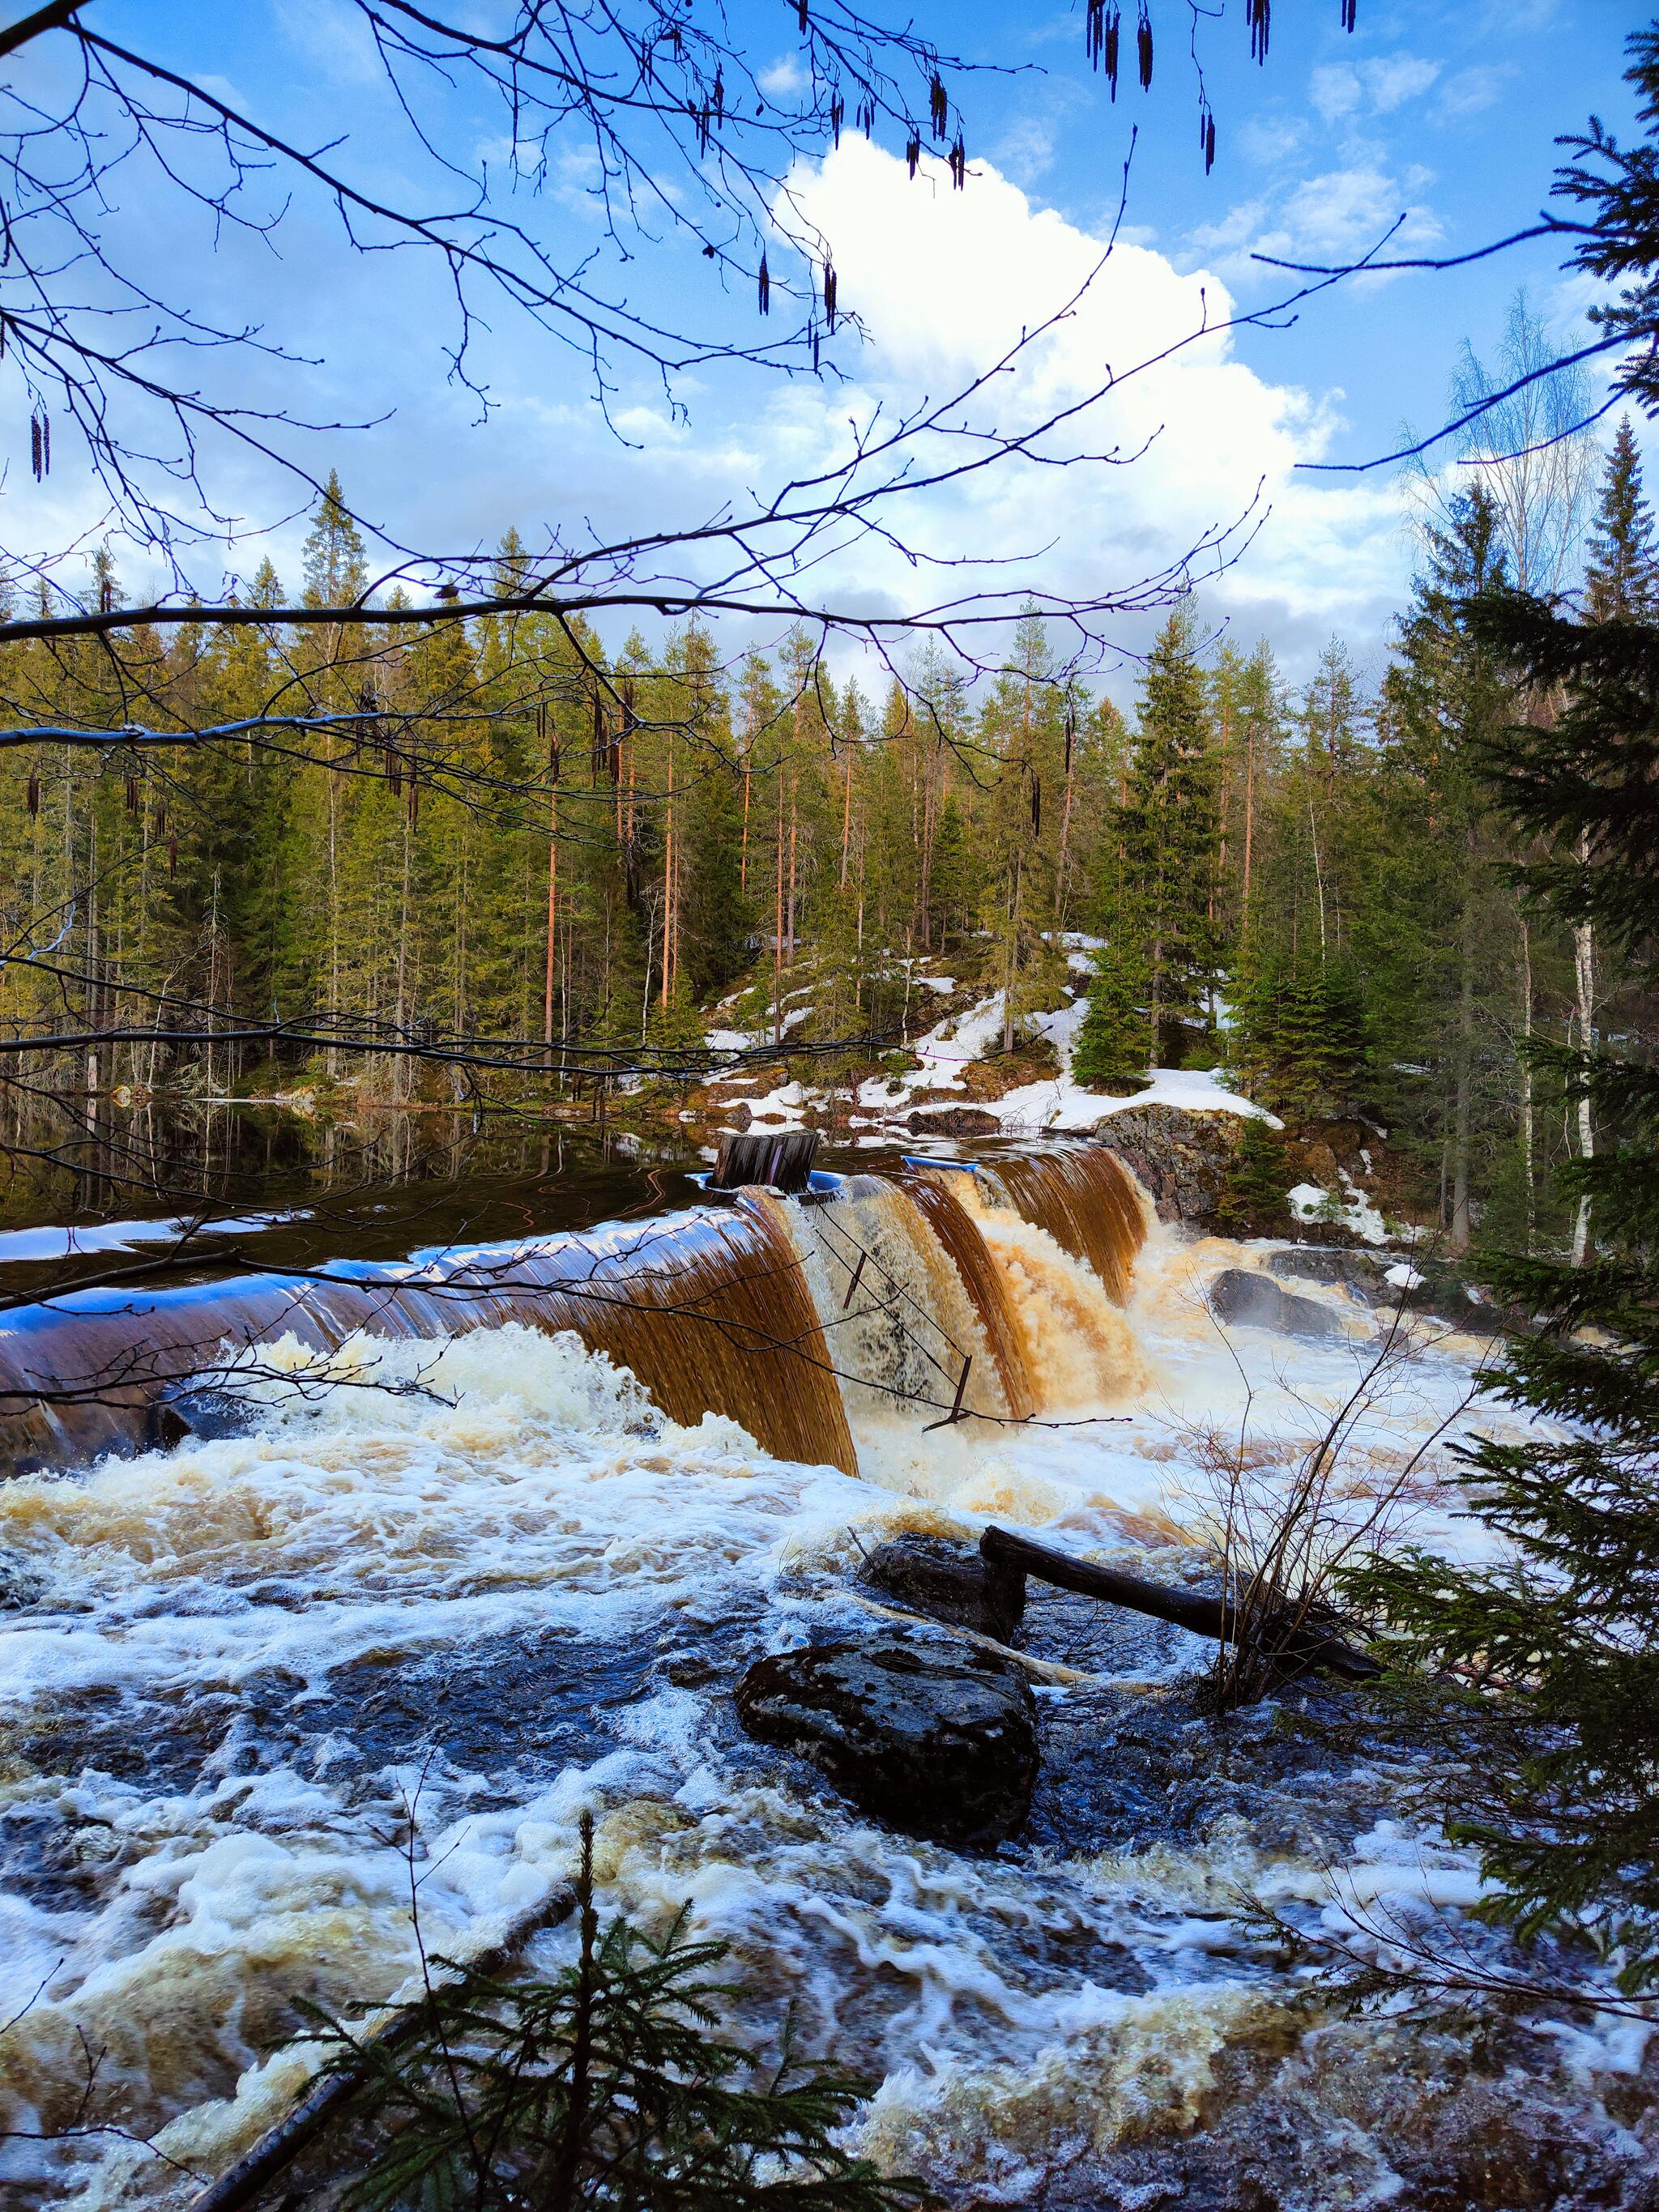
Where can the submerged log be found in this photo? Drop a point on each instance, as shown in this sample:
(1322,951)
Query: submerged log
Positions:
(1294,1642)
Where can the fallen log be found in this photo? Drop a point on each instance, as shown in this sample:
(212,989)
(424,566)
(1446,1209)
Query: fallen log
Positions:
(1295,1642)
(280,2144)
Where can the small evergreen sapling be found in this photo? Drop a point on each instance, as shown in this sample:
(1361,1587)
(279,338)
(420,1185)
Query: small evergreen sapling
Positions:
(1111,1051)
(605,2086)
(1254,1202)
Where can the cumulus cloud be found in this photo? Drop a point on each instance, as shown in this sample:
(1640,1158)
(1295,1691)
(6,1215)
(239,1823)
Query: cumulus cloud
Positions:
(942,281)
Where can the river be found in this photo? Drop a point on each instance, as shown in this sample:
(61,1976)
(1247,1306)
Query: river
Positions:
(461,1583)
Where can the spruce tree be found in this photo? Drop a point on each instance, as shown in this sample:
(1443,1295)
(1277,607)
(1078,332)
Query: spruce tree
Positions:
(1254,1198)
(1621,575)
(1569,1624)
(1111,1050)
(605,2086)
(1171,830)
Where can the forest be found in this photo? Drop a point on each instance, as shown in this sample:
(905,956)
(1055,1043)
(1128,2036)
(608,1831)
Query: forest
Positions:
(517,835)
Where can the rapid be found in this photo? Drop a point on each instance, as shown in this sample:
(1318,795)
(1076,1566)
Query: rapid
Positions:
(504,1525)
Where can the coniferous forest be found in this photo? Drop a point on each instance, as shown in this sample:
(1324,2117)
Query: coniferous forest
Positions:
(533,838)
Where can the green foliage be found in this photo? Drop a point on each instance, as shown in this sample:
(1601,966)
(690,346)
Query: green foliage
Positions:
(605,2086)
(1111,1053)
(1170,833)
(1299,1036)
(1569,1627)
(1253,1202)
(1621,576)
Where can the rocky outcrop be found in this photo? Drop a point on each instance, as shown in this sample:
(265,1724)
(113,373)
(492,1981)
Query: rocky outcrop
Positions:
(1181,1157)
(950,1582)
(1359,1272)
(1245,1299)
(1426,1285)
(940,1740)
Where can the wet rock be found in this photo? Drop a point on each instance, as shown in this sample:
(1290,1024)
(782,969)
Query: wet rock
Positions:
(1245,1299)
(954,1120)
(951,1582)
(1360,1272)
(1439,1293)
(182,1411)
(938,1740)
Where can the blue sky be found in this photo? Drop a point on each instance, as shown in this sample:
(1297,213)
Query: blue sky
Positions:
(1443,114)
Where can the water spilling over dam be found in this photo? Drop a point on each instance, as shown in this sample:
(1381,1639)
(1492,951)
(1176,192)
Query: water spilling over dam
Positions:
(721,1310)
(497,1562)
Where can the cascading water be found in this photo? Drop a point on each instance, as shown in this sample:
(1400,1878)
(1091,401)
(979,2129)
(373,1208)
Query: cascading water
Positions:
(707,1310)
(898,1317)
(1084,1197)
(253,1689)
(1078,1348)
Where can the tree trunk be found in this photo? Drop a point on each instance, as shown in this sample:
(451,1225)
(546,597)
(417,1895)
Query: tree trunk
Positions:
(552,913)
(1463,1102)
(777,925)
(1527,1150)
(1584,962)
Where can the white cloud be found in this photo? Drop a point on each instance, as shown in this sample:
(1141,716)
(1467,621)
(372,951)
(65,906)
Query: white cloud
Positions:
(784,77)
(1335,90)
(1470,91)
(1338,216)
(944,280)
(1341,89)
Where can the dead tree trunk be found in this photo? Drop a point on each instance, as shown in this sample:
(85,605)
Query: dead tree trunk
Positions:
(1301,1644)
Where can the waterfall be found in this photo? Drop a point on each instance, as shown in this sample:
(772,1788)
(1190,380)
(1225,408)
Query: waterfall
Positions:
(707,1309)
(984,1281)
(1084,1197)
(896,1314)
(905,1301)
(1078,1345)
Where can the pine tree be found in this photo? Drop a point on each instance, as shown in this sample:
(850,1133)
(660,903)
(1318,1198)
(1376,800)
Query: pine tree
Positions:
(1569,1625)
(1171,831)
(1621,574)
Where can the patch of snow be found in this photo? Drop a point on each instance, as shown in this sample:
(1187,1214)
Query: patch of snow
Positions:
(786,1105)
(1307,1200)
(1361,1217)
(1351,1209)
(942,984)
(1404,1276)
(1062,1104)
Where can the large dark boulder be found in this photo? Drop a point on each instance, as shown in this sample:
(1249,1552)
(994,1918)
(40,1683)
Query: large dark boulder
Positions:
(951,1582)
(940,1740)
(1245,1299)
